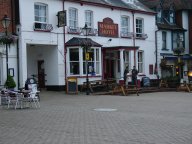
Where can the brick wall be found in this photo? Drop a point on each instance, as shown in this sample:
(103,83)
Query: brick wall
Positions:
(5,8)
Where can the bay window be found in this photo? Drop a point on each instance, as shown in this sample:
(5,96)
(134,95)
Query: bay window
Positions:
(77,61)
(74,61)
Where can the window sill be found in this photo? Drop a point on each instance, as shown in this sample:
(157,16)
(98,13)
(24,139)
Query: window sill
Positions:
(126,37)
(165,49)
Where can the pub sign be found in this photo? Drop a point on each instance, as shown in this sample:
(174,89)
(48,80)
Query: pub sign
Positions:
(107,28)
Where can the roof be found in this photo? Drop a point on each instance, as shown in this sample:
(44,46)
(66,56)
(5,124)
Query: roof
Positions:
(178,4)
(119,4)
(121,47)
(76,41)
(166,26)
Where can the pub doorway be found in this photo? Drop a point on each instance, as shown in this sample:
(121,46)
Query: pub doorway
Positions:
(41,73)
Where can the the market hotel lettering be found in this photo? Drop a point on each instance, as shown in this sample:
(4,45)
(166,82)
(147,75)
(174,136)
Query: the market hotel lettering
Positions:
(107,28)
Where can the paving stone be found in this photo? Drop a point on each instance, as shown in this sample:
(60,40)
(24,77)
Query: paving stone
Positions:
(151,118)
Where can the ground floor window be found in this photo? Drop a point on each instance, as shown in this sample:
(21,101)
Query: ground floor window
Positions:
(93,62)
(74,61)
(140,61)
(78,63)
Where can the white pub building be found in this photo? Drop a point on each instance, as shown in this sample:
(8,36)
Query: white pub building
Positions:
(52,44)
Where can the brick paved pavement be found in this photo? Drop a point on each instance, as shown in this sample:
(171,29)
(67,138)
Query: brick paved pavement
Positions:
(151,118)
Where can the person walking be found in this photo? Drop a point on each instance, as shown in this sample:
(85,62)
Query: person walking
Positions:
(134,75)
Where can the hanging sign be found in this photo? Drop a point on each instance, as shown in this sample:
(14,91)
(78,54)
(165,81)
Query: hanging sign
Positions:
(87,56)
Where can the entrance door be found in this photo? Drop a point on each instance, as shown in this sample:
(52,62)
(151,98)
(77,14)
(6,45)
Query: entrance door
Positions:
(109,71)
(41,74)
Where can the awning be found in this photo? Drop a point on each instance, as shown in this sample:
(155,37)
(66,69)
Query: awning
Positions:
(170,56)
(76,41)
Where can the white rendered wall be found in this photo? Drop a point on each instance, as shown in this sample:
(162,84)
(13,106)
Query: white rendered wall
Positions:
(55,38)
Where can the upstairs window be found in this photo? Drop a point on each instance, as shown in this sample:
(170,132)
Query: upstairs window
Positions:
(40,12)
(178,40)
(139,27)
(124,26)
(159,15)
(164,40)
(73,18)
(89,18)
(172,15)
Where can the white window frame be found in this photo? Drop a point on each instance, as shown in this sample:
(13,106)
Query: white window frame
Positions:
(40,13)
(94,63)
(140,61)
(73,18)
(139,27)
(125,25)
(89,18)
(73,61)
(164,40)
(178,40)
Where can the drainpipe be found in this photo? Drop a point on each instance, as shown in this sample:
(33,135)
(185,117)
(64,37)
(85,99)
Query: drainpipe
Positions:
(156,54)
(65,50)
(133,14)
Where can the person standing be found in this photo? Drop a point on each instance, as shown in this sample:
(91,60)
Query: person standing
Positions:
(134,75)
(125,74)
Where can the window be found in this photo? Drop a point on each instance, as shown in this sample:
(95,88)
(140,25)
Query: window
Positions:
(74,61)
(93,63)
(73,18)
(89,18)
(171,15)
(164,43)
(159,15)
(124,26)
(178,40)
(140,61)
(40,12)
(139,27)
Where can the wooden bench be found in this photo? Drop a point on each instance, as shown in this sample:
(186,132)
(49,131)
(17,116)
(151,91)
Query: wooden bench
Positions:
(125,90)
(163,83)
(185,87)
(98,84)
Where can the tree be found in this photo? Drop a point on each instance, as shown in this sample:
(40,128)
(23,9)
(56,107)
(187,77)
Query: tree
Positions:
(10,83)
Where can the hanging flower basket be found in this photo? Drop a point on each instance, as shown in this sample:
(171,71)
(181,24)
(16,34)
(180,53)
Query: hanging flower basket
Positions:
(179,50)
(8,39)
(163,63)
(181,63)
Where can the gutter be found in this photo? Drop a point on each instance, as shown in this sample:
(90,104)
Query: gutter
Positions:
(156,56)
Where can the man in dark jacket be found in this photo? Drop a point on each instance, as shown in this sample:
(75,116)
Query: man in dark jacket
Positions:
(134,75)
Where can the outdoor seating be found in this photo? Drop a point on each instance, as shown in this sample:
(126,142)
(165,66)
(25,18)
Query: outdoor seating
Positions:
(33,98)
(102,84)
(20,99)
(126,89)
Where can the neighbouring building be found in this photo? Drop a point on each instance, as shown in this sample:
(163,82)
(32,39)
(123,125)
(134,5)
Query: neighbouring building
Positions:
(173,36)
(7,8)
(51,44)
